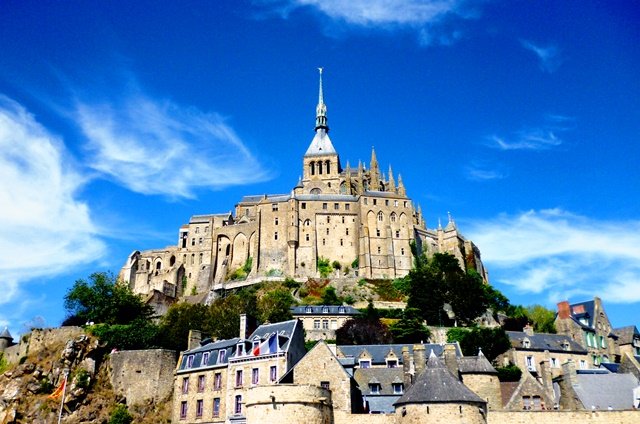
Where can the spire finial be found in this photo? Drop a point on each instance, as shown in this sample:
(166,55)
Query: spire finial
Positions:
(321,109)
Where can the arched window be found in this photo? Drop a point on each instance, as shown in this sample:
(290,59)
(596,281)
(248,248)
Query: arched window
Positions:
(328,165)
(380,216)
(307,222)
(393,217)
(312,165)
(172,261)
(316,191)
(159,265)
(319,167)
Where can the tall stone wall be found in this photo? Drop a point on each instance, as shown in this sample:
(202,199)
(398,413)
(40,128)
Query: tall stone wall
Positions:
(41,339)
(141,375)
(289,404)
(564,417)
(440,413)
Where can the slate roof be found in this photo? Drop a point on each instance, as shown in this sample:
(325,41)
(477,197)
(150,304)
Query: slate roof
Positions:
(381,404)
(5,334)
(595,388)
(318,310)
(544,341)
(283,329)
(436,384)
(201,219)
(265,197)
(379,352)
(626,334)
(383,376)
(475,365)
(584,310)
(328,197)
(321,144)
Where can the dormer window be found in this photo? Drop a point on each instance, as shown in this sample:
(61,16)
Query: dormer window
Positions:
(308,309)
(526,343)
(325,309)
(565,345)
(205,359)
(398,388)
(392,363)
(341,310)
(365,363)
(222,356)
(190,361)
(374,388)
(240,349)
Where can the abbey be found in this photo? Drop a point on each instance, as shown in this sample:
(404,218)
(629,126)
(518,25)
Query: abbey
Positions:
(359,218)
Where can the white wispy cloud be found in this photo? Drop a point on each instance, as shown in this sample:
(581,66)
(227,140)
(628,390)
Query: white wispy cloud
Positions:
(544,137)
(483,171)
(549,57)
(159,147)
(562,255)
(46,228)
(425,16)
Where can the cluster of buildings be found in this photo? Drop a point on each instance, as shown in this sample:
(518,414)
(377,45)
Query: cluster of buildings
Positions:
(268,373)
(358,217)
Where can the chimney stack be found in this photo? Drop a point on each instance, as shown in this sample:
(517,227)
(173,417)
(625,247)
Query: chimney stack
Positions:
(528,330)
(564,311)
(419,360)
(545,375)
(243,326)
(195,337)
(406,367)
(450,359)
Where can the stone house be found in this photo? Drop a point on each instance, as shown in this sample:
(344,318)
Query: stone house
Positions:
(628,340)
(321,321)
(212,379)
(388,355)
(587,323)
(359,217)
(528,349)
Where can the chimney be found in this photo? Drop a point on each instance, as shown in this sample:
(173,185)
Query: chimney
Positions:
(450,358)
(545,374)
(243,326)
(528,330)
(195,337)
(419,360)
(569,372)
(564,312)
(406,367)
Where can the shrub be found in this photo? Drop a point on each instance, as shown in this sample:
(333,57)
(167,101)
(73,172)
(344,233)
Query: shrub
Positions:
(82,378)
(324,267)
(247,265)
(290,283)
(120,415)
(356,263)
(509,373)
(336,265)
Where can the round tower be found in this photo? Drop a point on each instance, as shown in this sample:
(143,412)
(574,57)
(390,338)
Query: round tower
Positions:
(6,339)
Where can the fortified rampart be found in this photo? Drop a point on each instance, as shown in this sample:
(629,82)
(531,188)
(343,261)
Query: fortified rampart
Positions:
(563,417)
(289,404)
(40,339)
(142,375)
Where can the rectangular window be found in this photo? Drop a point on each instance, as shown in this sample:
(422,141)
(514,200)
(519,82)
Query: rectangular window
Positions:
(273,373)
(316,324)
(554,363)
(276,221)
(366,201)
(386,202)
(200,240)
(583,364)
(274,207)
(397,388)
(255,376)
(238,405)
(603,343)
(216,407)
(239,378)
(183,409)
(325,324)
(199,408)
(365,364)
(334,324)
(336,206)
(526,403)
(205,359)
(374,388)
(190,361)
(185,385)
(200,383)
(193,242)
(275,236)
(347,231)
(306,237)
(375,201)
(392,363)
(340,242)
(395,203)
(222,356)
(324,206)
(325,385)
(303,205)
(327,231)
(346,206)
(323,242)
(217,381)
(377,232)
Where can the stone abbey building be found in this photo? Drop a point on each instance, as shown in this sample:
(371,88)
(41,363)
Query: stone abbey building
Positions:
(359,217)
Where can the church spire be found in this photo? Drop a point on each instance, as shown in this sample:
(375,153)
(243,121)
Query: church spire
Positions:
(392,182)
(321,109)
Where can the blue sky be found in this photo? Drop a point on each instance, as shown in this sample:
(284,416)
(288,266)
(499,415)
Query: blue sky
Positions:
(120,119)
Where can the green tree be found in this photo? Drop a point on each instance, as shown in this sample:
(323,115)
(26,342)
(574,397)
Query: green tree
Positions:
(492,341)
(543,319)
(410,328)
(138,334)
(101,299)
(360,331)
(330,297)
(179,319)
(275,305)
(225,313)
(120,415)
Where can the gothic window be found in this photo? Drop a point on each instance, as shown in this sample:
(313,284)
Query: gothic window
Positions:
(393,217)
(316,191)
(380,216)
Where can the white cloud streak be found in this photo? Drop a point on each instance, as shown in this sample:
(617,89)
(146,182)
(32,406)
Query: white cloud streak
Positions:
(158,147)
(543,137)
(562,255)
(548,57)
(482,171)
(425,16)
(45,227)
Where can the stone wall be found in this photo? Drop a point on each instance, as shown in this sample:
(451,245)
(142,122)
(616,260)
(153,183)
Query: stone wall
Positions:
(563,417)
(41,339)
(141,375)
(440,413)
(289,404)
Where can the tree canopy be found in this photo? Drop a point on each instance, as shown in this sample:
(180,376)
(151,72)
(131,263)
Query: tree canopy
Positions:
(492,341)
(102,299)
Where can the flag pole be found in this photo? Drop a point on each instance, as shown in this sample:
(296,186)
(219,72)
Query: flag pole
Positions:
(64,392)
